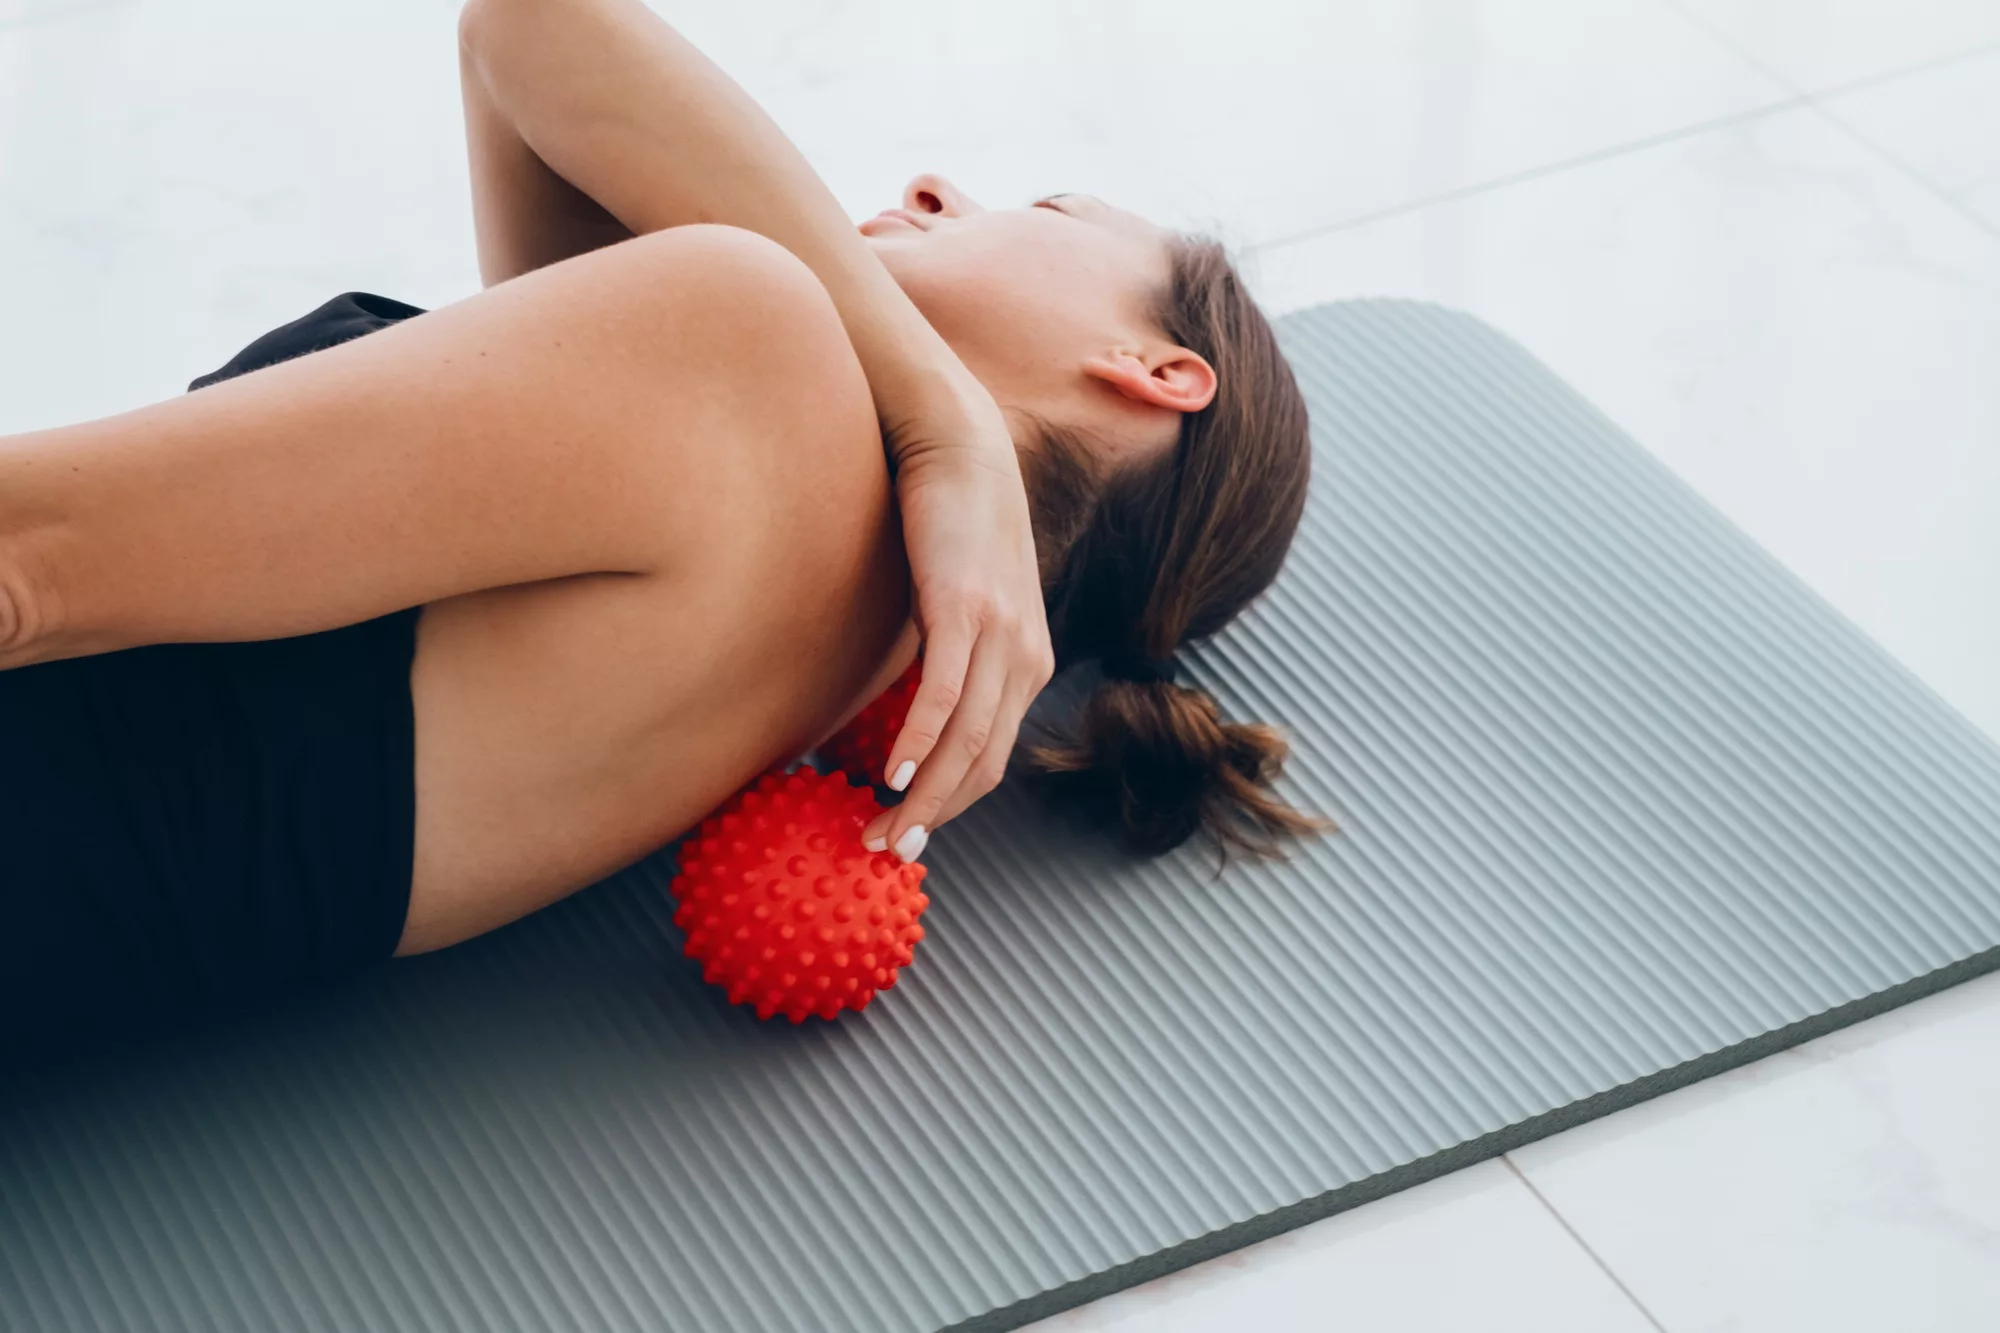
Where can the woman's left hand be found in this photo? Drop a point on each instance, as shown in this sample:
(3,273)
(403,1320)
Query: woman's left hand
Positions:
(978,597)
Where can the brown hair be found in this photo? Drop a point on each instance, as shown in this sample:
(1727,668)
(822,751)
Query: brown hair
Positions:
(1165,551)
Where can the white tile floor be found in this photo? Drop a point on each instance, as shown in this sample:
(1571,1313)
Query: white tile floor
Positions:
(1762,235)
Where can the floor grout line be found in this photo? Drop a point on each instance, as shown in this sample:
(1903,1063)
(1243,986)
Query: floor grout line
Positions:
(1819,101)
(1798,101)
(1910,173)
(1525,174)
(22,22)
(1583,1244)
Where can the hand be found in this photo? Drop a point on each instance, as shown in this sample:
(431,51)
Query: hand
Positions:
(978,595)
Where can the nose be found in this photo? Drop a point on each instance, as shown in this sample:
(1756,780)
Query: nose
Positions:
(931,193)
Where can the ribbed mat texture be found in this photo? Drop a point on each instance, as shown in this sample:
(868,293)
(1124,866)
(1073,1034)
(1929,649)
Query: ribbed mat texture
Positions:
(1622,803)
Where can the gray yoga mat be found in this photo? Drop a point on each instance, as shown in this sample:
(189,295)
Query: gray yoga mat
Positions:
(1624,804)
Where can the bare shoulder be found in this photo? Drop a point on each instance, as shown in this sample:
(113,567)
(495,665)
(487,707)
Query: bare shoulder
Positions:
(566,728)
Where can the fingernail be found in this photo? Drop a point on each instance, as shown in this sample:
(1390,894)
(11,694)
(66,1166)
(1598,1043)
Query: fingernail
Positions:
(875,842)
(911,845)
(901,777)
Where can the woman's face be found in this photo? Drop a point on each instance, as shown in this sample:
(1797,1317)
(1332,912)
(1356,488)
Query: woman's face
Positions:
(1051,306)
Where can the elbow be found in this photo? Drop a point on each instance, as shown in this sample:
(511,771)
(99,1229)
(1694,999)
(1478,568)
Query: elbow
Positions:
(26,623)
(475,17)
(11,623)
(471,20)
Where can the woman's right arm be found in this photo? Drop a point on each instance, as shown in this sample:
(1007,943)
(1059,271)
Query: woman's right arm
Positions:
(633,128)
(524,215)
(592,120)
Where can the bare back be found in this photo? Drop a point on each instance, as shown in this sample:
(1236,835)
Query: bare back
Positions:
(640,496)
(566,728)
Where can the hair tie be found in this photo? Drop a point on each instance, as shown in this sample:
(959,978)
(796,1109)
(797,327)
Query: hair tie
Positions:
(1140,669)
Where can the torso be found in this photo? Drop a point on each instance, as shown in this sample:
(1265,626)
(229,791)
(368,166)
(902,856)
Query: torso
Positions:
(568,727)
(565,729)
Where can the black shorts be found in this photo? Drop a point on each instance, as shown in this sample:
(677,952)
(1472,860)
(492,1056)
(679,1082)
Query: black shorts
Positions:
(185,825)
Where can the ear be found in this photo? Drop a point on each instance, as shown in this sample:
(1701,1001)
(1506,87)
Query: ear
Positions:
(1169,377)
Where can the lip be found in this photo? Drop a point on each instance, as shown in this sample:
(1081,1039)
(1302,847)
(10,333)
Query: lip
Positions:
(902,215)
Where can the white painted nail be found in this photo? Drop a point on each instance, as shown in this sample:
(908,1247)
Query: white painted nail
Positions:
(901,777)
(911,845)
(875,844)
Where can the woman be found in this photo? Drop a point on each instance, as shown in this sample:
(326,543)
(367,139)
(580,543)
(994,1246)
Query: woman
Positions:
(378,648)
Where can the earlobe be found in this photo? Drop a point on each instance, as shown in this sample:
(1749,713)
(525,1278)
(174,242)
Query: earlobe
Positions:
(1178,379)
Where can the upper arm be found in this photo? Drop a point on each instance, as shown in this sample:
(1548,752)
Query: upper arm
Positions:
(604,415)
(524,215)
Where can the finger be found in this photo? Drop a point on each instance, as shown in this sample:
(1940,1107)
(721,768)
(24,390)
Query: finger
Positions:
(990,768)
(947,654)
(962,745)
(1034,667)
(985,773)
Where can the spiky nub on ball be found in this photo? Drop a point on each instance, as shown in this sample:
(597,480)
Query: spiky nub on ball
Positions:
(785,909)
(861,748)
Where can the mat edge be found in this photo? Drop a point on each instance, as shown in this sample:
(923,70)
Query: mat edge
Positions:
(1264,1226)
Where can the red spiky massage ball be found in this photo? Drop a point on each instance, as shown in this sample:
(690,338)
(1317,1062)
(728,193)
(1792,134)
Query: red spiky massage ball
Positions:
(861,748)
(782,906)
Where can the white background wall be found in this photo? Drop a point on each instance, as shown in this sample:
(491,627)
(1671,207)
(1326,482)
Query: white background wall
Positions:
(1762,235)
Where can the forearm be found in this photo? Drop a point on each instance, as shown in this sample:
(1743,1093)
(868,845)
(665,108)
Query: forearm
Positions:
(616,106)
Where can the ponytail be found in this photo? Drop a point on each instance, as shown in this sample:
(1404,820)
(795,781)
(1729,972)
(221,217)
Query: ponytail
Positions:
(1163,551)
(1155,761)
